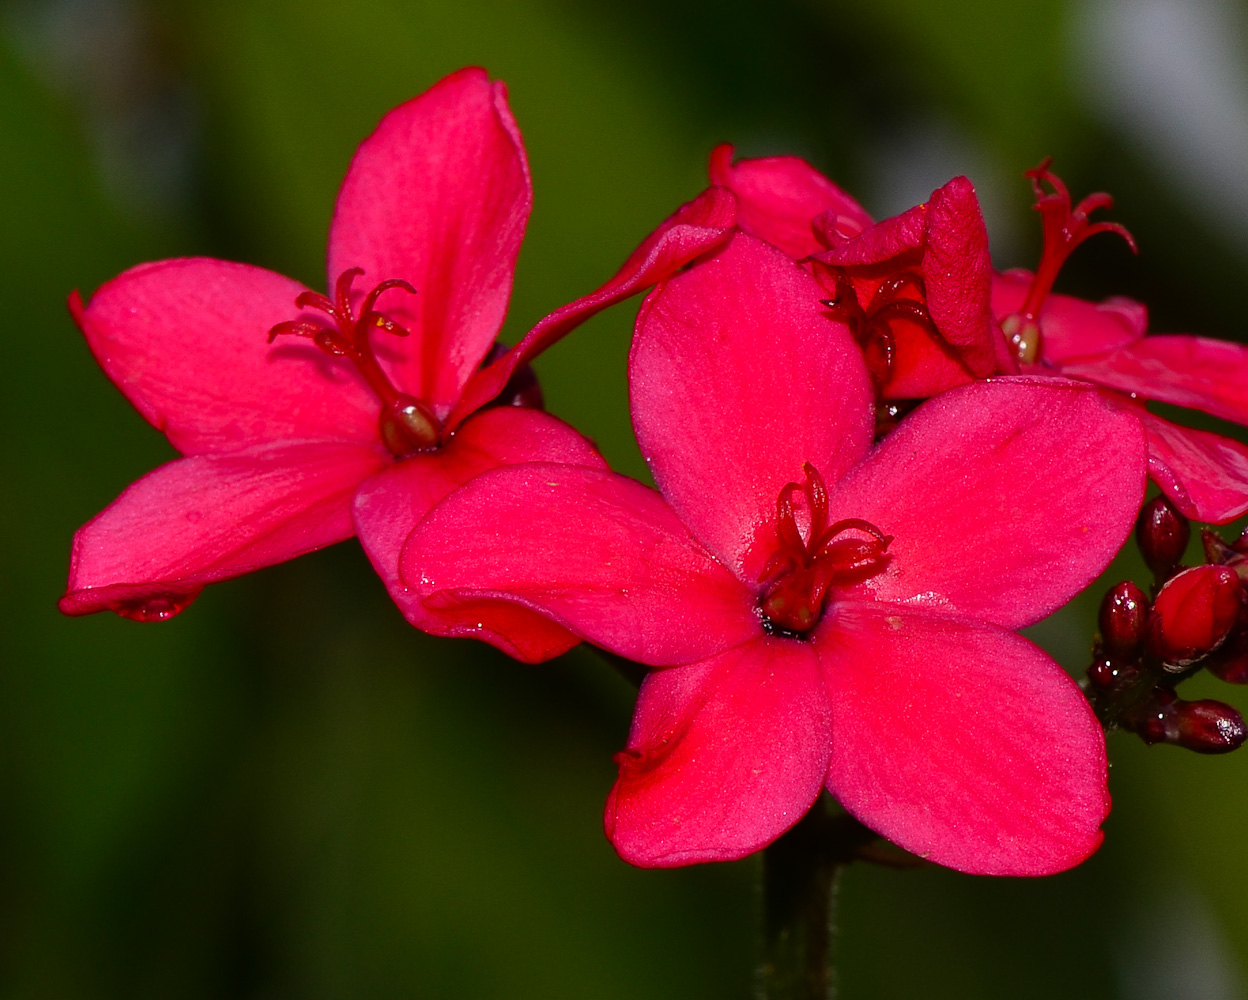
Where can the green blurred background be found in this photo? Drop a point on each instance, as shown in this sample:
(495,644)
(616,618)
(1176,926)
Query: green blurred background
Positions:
(287,792)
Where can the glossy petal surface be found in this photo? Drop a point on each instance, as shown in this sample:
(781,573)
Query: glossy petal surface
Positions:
(960,742)
(438,196)
(1206,475)
(1208,375)
(695,228)
(737,379)
(389,505)
(723,757)
(598,553)
(186,341)
(211,517)
(1005,498)
(779,197)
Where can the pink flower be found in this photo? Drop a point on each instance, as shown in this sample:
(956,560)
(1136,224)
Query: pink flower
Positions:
(914,289)
(824,613)
(304,419)
(1204,474)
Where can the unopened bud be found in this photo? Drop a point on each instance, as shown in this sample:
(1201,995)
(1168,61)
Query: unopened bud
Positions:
(1193,614)
(1106,674)
(1204,726)
(1123,617)
(1162,533)
(1209,726)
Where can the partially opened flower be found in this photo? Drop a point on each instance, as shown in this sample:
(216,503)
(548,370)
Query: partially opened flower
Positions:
(913,289)
(304,419)
(820,612)
(1204,474)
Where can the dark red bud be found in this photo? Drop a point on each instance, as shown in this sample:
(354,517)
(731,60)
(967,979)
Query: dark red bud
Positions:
(1106,674)
(407,426)
(1204,726)
(1123,617)
(1193,614)
(1208,726)
(1162,534)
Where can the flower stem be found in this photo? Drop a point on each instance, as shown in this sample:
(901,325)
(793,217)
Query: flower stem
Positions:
(801,876)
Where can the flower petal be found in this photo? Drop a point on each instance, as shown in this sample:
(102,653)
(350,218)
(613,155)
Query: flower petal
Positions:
(738,379)
(961,742)
(438,196)
(210,517)
(392,503)
(1072,328)
(724,756)
(186,341)
(600,554)
(1004,498)
(1205,374)
(695,228)
(1206,475)
(779,197)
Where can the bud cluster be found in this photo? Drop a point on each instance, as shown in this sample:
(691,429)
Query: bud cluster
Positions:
(1196,618)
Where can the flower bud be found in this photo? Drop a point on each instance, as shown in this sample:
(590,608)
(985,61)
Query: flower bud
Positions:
(1193,614)
(1123,617)
(1162,533)
(1204,726)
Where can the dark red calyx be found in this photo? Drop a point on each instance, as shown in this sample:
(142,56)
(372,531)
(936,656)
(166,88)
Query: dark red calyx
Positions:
(1194,613)
(1123,619)
(522,389)
(1162,533)
(901,297)
(798,577)
(1204,726)
(1065,227)
(406,424)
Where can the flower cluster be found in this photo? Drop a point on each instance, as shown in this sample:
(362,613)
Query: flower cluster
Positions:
(875,458)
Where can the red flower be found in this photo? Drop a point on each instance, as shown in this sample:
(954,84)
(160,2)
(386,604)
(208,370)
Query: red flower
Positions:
(1204,474)
(914,289)
(305,419)
(824,613)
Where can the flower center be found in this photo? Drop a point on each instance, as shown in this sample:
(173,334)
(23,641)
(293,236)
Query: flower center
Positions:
(900,297)
(407,425)
(798,577)
(1064,229)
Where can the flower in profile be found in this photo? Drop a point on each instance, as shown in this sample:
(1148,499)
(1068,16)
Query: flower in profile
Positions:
(1204,474)
(303,418)
(818,612)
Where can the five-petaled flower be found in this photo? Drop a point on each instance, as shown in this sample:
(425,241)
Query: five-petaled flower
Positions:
(821,612)
(304,419)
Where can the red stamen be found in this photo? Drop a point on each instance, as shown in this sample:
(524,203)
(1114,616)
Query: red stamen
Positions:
(802,570)
(407,425)
(872,325)
(1064,229)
